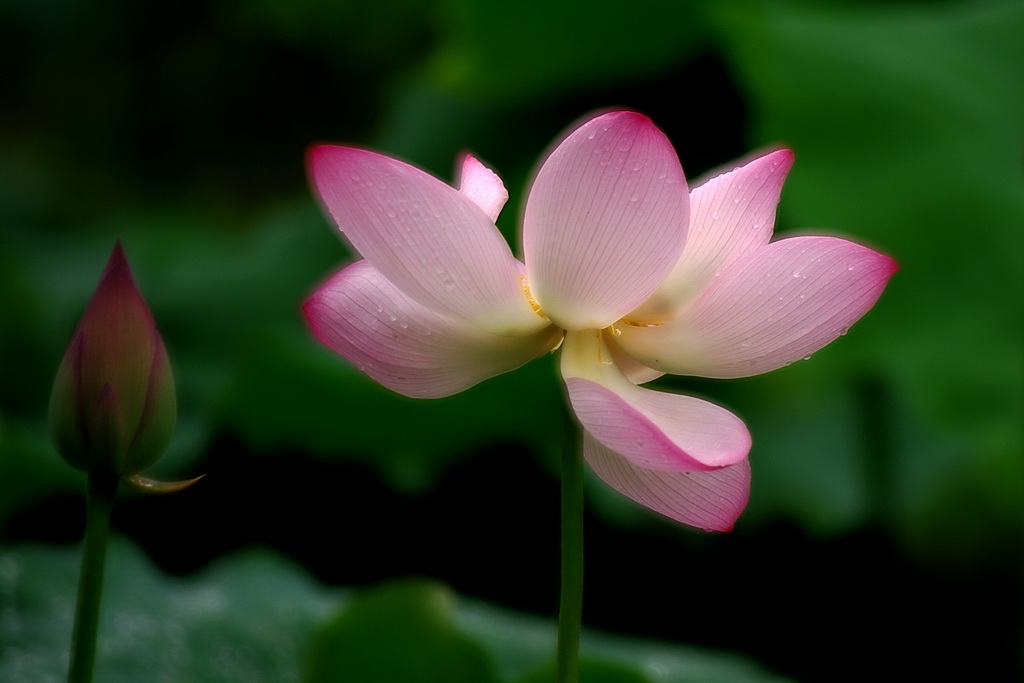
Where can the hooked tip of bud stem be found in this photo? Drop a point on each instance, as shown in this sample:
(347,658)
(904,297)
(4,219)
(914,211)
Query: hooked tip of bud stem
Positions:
(147,485)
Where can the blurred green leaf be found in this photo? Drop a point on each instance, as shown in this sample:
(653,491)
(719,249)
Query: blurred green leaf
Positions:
(256,618)
(516,52)
(246,618)
(30,469)
(592,671)
(905,120)
(399,632)
(289,393)
(524,649)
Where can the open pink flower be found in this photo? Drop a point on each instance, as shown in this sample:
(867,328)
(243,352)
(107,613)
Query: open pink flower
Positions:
(632,274)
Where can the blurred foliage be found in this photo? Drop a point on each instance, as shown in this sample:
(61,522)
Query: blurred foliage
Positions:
(248,618)
(181,130)
(252,617)
(906,126)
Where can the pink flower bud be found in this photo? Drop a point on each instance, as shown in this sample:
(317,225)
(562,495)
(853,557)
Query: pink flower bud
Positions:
(113,405)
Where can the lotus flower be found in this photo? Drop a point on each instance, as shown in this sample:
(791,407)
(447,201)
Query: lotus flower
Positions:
(113,406)
(628,272)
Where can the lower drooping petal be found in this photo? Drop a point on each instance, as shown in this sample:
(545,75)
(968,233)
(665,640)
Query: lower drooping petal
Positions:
(652,429)
(780,304)
(708,500)
(407,347)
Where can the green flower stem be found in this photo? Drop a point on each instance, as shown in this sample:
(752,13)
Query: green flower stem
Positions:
(99,500)
(571,602)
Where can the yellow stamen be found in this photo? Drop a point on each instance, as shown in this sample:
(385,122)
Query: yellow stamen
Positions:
(632,323)
(529,298)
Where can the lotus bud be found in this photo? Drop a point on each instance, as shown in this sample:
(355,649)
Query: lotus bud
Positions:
(113,409)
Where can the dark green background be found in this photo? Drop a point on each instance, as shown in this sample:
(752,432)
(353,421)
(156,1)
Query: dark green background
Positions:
(886,520)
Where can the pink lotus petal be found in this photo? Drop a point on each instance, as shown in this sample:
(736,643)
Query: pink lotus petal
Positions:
(708,500)
(635,371)
(406,346)
(483,187)
(776,306)
(605,221)
(731,215)
(652,429)
(429,239)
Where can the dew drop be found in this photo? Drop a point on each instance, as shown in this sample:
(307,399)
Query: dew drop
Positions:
(714,215)
(807,357)
(449,285)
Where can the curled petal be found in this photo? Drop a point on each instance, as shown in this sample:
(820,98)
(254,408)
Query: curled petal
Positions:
(731,215)
(708,500)
(482,186)
(407,347)
(635,371)
(146,485)
(652,429)
(432,241)
(774,307)
(605,221)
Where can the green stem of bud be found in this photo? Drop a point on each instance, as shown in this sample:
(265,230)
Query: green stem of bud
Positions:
(99,500)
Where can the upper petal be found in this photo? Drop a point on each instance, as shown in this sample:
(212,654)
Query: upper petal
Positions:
(710,500)
(605,220)
(482,186)
(433,242)
(652,429)
(406,346)
(776,306)
(731,215)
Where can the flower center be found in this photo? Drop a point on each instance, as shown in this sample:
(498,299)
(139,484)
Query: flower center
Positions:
(633,323)
(529,298)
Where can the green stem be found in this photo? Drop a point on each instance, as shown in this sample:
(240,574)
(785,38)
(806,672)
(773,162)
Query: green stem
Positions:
(571,602)
(99,500)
